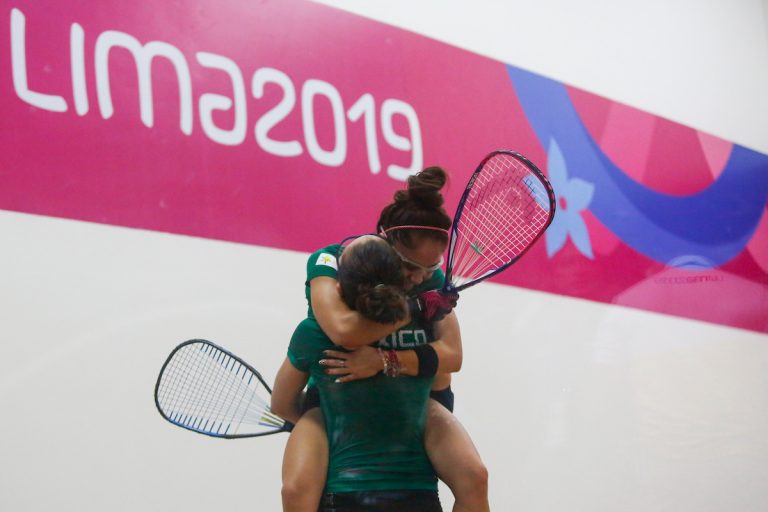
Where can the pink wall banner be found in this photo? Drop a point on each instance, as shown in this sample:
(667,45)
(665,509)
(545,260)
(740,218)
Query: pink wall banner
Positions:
(290,124)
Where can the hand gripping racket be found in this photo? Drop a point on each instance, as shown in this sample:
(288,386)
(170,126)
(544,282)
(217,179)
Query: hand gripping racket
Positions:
(506,207)
(204,388)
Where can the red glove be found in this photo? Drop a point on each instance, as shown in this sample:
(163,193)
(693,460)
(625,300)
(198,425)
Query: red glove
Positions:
(433,305)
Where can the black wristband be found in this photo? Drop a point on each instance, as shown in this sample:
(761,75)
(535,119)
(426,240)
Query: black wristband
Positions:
(427,360)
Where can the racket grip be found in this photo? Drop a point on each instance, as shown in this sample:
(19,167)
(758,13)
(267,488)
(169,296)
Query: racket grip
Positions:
(432,305)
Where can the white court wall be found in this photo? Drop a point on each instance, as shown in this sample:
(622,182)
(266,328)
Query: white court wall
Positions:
(574,405)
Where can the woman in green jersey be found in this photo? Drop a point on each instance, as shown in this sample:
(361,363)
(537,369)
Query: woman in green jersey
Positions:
(377,460)
(416,225)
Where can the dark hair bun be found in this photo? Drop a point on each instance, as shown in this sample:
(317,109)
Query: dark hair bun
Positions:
(381,303)
(424,188)
(419,204)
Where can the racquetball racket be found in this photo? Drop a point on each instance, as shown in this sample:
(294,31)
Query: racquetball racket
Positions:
(506,207)
(204,388)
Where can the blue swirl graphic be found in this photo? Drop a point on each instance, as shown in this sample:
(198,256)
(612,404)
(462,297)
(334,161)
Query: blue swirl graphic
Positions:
(714,224)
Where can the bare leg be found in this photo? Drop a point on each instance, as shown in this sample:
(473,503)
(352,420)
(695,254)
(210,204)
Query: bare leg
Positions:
(456,460)
(305,464)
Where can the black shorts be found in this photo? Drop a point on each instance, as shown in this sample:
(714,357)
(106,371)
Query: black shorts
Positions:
(442,396)
(381,501)
(311,399)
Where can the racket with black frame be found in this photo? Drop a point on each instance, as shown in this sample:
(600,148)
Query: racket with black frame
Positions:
(507,205)
(208,390)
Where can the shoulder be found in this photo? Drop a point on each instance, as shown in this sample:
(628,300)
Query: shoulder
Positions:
(309,327)
(307,344)
(308,335)
(323,262)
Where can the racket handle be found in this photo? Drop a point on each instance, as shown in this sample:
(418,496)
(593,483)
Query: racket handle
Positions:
(432,305)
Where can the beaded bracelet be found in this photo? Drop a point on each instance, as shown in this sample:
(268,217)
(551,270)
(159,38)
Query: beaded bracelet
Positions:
(391,362)
(394,364)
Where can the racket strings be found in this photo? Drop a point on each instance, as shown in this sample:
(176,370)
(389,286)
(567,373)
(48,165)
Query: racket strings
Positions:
(487,224)
(188,391)
(187,400)
(505,211)
(218,402)
(223,398)
(205,389)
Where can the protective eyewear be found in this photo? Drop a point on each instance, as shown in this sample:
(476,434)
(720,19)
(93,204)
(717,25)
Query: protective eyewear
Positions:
(412,266)
(408,263)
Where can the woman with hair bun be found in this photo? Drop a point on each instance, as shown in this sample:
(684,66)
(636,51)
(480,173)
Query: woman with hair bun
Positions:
(416,227)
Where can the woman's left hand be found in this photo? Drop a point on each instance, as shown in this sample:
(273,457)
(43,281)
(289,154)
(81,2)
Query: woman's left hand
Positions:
(360,363)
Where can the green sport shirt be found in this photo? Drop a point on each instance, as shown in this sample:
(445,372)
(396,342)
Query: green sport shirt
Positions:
(375,426)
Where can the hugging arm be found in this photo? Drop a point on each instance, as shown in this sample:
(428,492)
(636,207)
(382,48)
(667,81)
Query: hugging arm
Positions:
(365,361)
(345,327)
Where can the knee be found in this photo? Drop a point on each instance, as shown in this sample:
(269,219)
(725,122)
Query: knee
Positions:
(292,492)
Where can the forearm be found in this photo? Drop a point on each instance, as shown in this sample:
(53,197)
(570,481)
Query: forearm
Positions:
(447,347)
(444,358)
(448,360)
(287,392)
(351,330)
(290,409)
(345,327)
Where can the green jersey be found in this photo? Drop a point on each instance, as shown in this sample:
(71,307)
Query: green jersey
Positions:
(375,426)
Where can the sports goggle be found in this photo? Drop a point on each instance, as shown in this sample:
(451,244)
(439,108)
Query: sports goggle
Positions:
(409,264)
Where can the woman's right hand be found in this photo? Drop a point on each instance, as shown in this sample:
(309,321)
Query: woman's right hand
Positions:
(361,363)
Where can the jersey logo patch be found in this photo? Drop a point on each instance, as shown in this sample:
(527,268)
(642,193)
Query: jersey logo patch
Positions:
(329,260)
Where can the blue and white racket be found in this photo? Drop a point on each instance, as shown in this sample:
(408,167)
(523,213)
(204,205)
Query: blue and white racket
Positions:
(205,389)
